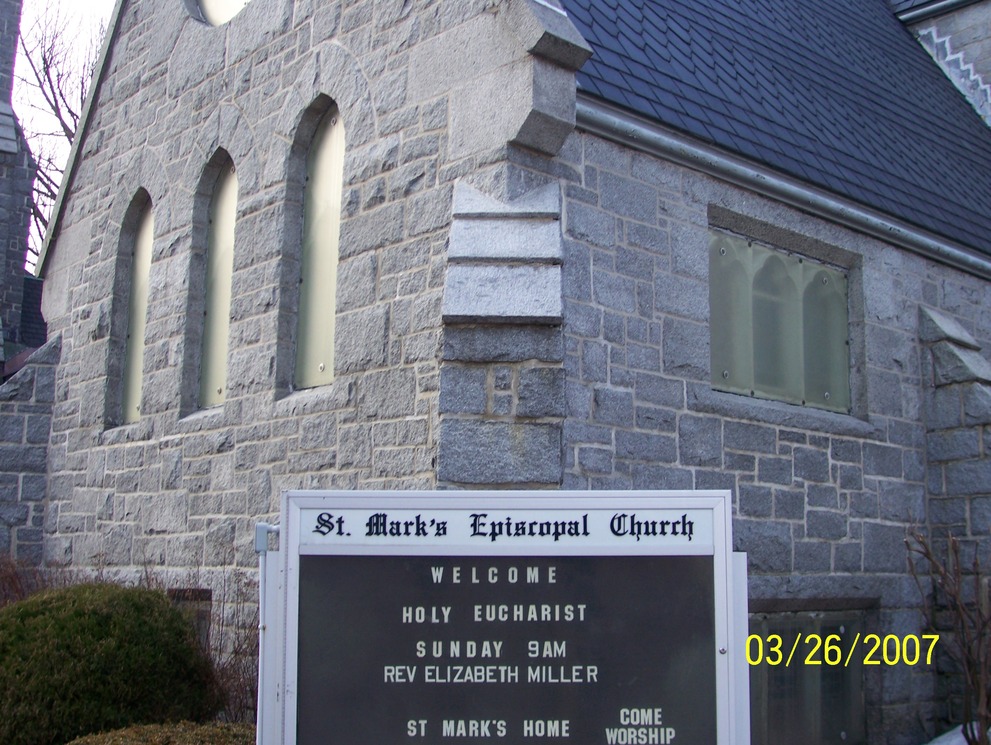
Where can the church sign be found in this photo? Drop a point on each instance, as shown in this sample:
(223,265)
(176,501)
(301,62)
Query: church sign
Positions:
(465,617)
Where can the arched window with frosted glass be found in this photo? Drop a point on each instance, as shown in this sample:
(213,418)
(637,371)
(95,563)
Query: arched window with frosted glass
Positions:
(314,360)
(778,324)
(141,241)
(217,287)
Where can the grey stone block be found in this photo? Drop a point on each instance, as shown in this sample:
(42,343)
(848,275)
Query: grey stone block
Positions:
(656,389)
(851,477)
(463,389)
(811,465)
(502,294)
(370,230)
(595,459)
(825,524)
(613,406)
(503,344)
(774,470)
(541,392)
(655,419)
(514,453)
(884,548)
(655,478)
(700,441)
(944,408)
(768,545)
(959,444)
(628,197)
(361,340)
(968,478)
(813,557)
(848,557)
(548,33)
(755,501)
(11,428)
(387,394)
(976,404)
(614,291)
(750,438)
(935,327)
(645,447)
(900,502)
(519,240)
(686,349)
(823,496)
(789,504)
(590,224)
(577,284)
(33,487)
(847,451)
(594,362)
(682,296)
(882,460)
(955,364)
(717,479)
(863,504)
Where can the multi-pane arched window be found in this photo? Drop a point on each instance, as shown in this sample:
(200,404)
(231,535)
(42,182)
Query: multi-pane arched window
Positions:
(778,324)
(141,240)
(314,360)
(219,269)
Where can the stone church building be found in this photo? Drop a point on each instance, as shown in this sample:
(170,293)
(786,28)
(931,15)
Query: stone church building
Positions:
(505,244)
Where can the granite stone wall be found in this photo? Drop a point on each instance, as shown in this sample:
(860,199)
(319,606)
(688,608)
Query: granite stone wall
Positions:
(25,423)
(822,501)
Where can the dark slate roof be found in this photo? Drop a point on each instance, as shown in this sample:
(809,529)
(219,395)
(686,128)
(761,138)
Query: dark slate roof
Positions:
(900,6)
(833,92)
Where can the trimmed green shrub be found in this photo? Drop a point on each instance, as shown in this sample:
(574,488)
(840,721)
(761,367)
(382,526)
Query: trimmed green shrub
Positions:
(92,658)
(183,733)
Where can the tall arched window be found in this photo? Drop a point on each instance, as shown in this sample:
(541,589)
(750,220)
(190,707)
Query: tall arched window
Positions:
(318,265)
(134,346)
(217,288)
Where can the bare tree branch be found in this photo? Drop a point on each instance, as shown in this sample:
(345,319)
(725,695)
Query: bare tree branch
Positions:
(54,71)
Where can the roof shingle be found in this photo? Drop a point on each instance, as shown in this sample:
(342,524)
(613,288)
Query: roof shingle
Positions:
(835,93)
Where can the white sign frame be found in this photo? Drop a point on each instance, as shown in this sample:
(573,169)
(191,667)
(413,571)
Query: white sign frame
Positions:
(711,510)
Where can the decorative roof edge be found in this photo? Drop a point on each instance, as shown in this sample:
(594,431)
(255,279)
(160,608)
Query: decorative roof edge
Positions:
(69,173)
(622,127)
(933,9)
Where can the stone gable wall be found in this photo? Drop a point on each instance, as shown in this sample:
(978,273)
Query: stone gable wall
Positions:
(179,491)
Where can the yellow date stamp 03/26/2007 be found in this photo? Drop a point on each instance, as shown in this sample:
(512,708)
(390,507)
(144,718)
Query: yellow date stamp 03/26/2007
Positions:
(831,650)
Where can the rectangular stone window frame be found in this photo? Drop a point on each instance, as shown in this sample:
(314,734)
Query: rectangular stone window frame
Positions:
(826,255)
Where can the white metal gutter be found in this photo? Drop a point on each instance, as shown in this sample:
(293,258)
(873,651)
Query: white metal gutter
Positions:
(620,126)
(933,9)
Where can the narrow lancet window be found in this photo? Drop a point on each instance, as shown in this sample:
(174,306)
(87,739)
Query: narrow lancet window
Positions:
(217,289)
(318,265)
(136,317)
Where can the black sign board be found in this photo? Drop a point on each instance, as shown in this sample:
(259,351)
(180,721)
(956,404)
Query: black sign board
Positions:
(561,625)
